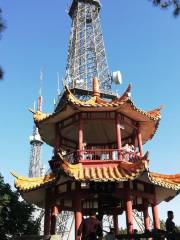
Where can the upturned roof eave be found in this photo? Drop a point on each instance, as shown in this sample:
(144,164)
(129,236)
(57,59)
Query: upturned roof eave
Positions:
(96,104)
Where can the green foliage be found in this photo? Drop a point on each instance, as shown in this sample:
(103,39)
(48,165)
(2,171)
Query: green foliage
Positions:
(15,215)
(2,25)
(163,225)
(175,4)
(122,231)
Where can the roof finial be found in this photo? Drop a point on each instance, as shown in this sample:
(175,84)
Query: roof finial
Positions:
(96,92)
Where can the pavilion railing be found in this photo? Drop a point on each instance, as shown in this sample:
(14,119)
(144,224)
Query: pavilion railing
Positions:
(102,154)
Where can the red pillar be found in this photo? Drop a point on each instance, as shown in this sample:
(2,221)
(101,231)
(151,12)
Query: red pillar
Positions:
(140,145)
(146,215)
(129,209)
(115,220)
(78,217)
(47,215)
(54,214)
(155,215)
(80,136)
(118,135)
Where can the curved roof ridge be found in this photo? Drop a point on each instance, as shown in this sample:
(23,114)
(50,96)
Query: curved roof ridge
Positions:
(125,96)
(98,100)
(40,116)
(152,115)
(26,183)
(74,99)
(165,180)
(156,112)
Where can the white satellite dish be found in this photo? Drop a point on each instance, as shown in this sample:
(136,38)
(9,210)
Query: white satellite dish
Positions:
(79,81)
(117,77)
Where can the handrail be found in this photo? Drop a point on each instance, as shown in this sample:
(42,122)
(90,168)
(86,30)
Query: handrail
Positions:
(102,154)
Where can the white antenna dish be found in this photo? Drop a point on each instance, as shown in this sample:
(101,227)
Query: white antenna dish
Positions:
(117,77)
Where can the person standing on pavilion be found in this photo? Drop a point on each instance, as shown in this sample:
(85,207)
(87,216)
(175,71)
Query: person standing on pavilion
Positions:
(170,225)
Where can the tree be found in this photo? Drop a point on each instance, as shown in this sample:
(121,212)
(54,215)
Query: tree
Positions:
(16,217)
(2,27)
(175,4)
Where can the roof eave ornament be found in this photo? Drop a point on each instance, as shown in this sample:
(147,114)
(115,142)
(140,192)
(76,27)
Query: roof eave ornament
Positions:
(38,115)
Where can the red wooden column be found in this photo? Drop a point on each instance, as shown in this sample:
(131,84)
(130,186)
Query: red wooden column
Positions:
(54,214)
(118,135)
(128,208)
(139,138)
(78,213)
(80,135)
(115,221)
(146,215)
(57,139)
(155,215)
(47,215)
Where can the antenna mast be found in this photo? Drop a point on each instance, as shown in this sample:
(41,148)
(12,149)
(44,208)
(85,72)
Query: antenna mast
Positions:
(35,166)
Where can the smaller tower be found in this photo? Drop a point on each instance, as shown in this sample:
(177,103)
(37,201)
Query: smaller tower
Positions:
(35,167)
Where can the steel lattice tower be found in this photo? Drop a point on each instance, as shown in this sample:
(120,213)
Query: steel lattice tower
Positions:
(86,55)
(35,167)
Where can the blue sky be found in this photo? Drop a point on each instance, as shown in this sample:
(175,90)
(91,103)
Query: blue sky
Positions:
(141,40)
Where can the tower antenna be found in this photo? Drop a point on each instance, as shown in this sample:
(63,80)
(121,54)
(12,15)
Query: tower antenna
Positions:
(35,166)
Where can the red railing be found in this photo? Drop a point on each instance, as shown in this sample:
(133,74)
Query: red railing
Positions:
(99,154)
(102,154)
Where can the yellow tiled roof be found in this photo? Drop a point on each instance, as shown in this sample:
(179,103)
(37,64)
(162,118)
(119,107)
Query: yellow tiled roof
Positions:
(167,181)
(97,102)
(149,121)
(28,184)
(124,99)
(39,116)
(123,171)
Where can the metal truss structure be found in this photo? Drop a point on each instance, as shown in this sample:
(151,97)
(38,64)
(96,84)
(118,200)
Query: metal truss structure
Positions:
(65,222)
(35,166)
(86,55)
(139,220)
